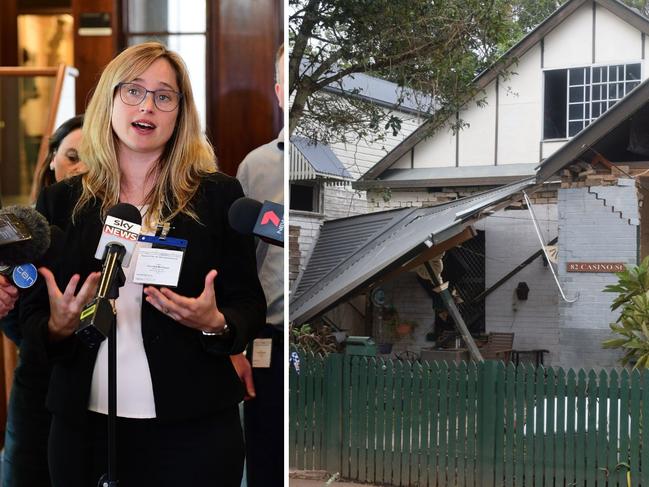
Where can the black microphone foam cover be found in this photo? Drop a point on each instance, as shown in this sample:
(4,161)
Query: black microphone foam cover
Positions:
(126,211)
(28,250)
(243,215)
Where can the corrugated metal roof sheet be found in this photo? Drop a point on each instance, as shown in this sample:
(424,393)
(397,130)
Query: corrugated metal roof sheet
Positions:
(385,240)
(321,158)
(341,239)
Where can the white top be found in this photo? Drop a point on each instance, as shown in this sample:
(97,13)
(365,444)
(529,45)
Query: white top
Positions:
(134,387)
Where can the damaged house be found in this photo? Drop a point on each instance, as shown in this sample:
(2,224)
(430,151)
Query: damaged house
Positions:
(557,152)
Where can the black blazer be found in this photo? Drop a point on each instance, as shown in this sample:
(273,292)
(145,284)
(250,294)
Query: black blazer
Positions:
(191,373)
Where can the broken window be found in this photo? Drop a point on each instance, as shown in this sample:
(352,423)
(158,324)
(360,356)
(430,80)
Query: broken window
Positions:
(575,97)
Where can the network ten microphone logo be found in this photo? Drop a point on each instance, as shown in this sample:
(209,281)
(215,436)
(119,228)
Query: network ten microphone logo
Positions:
(270,222)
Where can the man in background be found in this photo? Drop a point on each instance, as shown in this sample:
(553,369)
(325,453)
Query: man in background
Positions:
(262,176)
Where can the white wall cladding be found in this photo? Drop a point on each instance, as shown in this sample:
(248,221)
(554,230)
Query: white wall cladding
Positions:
(437,150)
(550,148)
(520,111)
(570,43)
(627,39)
(358,156)
(509,240)
(477,145)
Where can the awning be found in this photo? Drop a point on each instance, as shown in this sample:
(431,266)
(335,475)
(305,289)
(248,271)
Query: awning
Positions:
(351,253)
(311,160)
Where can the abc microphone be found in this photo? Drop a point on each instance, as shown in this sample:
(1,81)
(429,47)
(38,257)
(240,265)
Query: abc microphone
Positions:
(116,246)
(251,217)
(24,238)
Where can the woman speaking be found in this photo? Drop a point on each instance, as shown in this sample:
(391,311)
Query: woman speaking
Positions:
(177,392)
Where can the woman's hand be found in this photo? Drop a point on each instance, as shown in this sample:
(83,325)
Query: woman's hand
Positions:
(244,370)
(8,296)
(200,313)
(65,307)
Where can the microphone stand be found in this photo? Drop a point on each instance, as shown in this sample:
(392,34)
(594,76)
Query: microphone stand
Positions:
(110,478)
(102,323)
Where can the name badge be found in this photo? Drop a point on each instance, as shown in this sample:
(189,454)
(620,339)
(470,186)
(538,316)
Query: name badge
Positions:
(158,267)
(261,351)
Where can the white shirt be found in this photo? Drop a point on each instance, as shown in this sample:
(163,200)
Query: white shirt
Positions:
(134,386)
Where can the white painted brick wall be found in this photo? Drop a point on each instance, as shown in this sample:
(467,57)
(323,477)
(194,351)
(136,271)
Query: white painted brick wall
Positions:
(509,240)
(591,232)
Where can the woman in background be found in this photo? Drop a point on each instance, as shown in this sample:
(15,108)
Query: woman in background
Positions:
(24,463)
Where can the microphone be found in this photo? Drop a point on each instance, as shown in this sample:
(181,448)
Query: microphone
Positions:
(24,238)
(265,221)
(116,246)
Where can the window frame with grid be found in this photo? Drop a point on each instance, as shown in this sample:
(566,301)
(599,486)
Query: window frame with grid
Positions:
(591,90)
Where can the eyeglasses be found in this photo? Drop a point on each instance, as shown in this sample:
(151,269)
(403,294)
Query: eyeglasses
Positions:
(134,94)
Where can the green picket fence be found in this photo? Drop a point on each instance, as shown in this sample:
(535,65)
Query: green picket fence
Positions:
(481,425)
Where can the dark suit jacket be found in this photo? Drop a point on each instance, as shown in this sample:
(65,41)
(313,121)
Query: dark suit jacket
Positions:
(191,373)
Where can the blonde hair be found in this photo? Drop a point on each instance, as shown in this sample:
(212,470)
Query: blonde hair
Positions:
(187,155)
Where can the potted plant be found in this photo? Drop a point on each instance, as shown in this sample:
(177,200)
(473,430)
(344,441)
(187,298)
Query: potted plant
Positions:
(405,327)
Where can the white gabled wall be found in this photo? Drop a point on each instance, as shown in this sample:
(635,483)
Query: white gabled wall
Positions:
(570,43)
(610,26)
(520,108)
(437,150)
(478,137)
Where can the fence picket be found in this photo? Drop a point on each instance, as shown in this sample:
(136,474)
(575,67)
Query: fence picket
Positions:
(406,413)
(363,414)
(571,428)
(451,466)
(540,423)
(442,450)
(426,423)
(382,373)
(471,425)
(560,409)
(519,441)
(462,433)
(591,433)
(635,428)
(433,452)
(644,444)
(346,423)
(580,435)
(416,432)
(398,423)
(613,430)
(529,426)
(603,407)
(549,438)
(372,409)
(510,425)
(625,425)
(499,423)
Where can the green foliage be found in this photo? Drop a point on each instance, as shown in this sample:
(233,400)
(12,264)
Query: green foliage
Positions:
(632,327)
(435,48)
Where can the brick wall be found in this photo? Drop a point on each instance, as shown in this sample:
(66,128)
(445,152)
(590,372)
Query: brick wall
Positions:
(589,231)
(306,228)
(510,239)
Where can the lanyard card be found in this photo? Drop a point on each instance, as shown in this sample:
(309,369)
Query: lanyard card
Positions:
(160,265)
